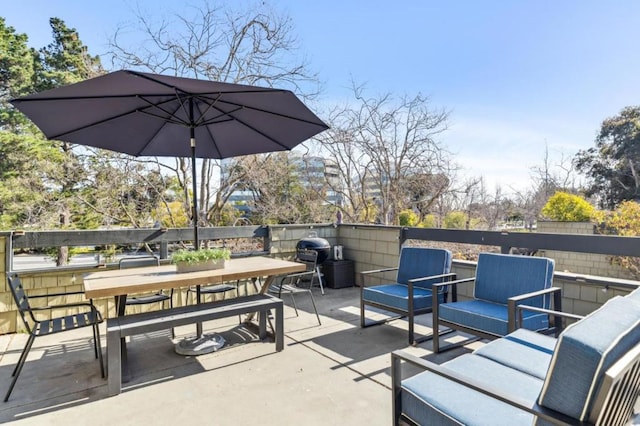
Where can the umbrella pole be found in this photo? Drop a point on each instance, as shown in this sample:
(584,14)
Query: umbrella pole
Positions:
(196,240)
(201,343)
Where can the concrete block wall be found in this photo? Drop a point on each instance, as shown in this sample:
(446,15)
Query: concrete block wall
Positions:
(582,298)
(580,263)
(285,237)
(371,247)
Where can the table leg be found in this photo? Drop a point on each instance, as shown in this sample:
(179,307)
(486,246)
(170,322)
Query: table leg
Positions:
(262,290)
(198,324)
(121,305)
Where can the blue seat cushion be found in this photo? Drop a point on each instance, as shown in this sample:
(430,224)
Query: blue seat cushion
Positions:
(488,316)
(429,399)
(584,352)
(397,296)
(501,276)
(524,350)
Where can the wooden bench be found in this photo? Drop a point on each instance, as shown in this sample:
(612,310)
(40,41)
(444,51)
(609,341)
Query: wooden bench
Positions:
(129,325)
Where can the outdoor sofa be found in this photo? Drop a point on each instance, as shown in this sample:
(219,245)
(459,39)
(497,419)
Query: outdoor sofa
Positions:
(589,374)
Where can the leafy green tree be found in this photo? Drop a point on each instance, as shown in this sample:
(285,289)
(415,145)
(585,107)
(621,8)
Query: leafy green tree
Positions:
(408,217)
(613,165)
(455,220)
(565,207)
(429,221)
(625,221)
(16,74)
(66,60)
(53,184)
(26,158)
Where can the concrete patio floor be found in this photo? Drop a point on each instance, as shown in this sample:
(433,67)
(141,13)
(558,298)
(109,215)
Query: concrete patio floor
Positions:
(336,373)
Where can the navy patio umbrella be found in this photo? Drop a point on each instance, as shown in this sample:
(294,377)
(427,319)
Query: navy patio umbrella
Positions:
(144,114)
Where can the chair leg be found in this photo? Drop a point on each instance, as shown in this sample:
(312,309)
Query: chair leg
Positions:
(96,337)
(435,323)
(173,331)
(313,302)
(319,274)
(293,300)
(23,355)
(19,365)
(410,318)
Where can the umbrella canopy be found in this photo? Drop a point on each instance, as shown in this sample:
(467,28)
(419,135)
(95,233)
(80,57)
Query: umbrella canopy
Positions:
(144,114)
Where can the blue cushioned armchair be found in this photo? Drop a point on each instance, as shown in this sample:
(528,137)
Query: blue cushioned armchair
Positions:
(410,294)
(501,283)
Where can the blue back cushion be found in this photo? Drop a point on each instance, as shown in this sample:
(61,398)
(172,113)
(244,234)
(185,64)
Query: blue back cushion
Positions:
(585,351)
(501,276)
(418,262)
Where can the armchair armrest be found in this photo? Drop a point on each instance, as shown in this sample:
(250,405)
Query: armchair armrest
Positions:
(447,278)
(454,287)
(557,315)
(513,301)
(433,277)
(377,271)
(290,279)
(398,357)
(299,274)
(455,282)
(371,272)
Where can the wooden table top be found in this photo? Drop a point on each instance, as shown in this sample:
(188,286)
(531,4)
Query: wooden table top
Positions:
(117,282)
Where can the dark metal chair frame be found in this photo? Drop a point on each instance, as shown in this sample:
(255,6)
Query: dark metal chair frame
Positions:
(292,284)
(35,327)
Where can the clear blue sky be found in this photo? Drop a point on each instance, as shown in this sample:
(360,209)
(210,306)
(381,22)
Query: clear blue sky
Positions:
(514,74)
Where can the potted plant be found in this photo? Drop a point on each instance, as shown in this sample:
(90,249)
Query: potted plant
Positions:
(200,260)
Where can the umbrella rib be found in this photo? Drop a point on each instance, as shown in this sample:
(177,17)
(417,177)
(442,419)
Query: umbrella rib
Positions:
(171,117)
(114,117)
(244,106)
(215,143)
(210,105)
(94,123)
(240,107)
(166,120)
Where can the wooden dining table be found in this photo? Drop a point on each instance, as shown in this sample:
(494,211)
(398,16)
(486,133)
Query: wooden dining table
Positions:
(118,283)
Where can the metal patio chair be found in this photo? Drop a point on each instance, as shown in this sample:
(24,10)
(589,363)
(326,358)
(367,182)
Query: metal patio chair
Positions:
(409,294)
(88,316)
(501,282)
(161,296)
(292,284)
(143,299)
